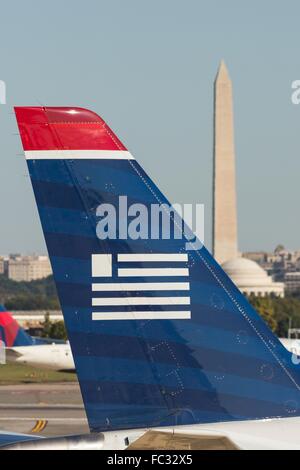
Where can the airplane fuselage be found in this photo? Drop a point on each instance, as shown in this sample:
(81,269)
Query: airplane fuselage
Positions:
(52,356)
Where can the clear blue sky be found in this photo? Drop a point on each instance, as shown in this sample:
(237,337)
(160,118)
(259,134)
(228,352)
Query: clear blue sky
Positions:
(148,68)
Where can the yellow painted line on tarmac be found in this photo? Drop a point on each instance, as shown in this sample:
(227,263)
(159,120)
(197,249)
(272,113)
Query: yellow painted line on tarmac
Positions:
(40,426)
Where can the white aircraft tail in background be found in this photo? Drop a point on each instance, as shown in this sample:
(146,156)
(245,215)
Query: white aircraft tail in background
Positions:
(22,348)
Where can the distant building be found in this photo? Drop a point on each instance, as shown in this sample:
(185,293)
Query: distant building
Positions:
(247,274)
(225,239)
(292,281)
(251,279)
(2,270)
(283,265)
(28,268)
(3,265)
(257,256)
(34,319)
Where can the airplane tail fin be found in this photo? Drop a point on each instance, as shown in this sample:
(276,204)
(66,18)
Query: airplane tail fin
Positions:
(11,334)
(160,335)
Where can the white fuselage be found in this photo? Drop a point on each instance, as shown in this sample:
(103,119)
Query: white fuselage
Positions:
(273,434)
(268,434)
(292,345)
(53,356)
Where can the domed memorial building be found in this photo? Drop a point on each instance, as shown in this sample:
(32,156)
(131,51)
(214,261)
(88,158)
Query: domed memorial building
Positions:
(250,278)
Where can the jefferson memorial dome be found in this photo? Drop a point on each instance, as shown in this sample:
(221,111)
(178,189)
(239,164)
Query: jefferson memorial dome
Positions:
(250,278)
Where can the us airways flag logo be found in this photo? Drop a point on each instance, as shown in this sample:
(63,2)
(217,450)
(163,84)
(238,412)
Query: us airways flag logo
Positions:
(123,290)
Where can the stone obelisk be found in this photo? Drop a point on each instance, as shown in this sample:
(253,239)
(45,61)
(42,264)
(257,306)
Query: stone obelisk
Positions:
(225,245)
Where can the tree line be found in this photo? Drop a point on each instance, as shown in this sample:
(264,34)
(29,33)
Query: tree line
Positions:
(279,313)
(34,295)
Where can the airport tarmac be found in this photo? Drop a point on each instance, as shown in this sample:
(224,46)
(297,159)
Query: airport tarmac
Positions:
(42,409)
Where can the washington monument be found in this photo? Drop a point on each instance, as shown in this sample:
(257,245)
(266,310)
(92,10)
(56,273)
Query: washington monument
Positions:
(225,245)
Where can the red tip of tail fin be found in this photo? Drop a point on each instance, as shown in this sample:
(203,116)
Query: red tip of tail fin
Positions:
(64,128)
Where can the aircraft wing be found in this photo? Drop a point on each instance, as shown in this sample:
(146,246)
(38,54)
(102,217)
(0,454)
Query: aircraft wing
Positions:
(8,438)
(12,354)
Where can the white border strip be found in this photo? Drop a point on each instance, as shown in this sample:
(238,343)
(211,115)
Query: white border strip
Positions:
(150,315)
(144,257)
(139,286)
(114,301)
(78,154)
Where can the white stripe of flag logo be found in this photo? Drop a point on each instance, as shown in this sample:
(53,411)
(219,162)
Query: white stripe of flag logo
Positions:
(102,267)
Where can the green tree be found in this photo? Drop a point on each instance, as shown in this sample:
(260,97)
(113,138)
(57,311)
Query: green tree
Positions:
(46,326)
(264,306)
(55,330)
(58,330)
(287,311)
(35,295)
